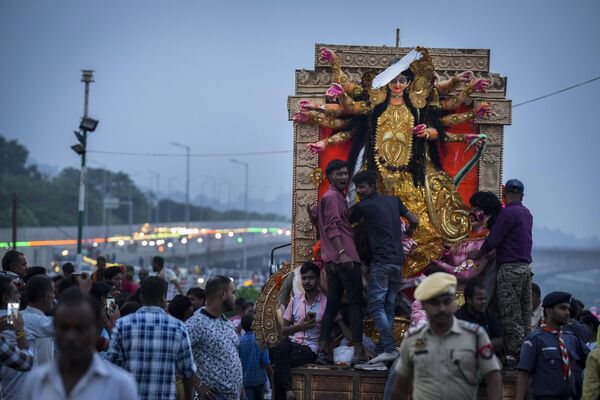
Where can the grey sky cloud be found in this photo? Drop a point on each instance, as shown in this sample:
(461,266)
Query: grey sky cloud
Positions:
(215,76)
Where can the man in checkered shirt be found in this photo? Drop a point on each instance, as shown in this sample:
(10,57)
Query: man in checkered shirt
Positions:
(153,346)
(18,356)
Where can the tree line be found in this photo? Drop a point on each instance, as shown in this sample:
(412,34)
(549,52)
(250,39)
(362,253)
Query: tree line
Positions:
(45,200)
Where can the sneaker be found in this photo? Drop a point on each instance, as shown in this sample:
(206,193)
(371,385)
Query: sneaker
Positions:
(385,357)
(371,366)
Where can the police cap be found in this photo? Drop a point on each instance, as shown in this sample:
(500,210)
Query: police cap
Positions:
(435,285)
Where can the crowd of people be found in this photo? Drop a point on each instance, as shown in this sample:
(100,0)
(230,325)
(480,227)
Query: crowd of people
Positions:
(110,336)
(447,350)
(95,337)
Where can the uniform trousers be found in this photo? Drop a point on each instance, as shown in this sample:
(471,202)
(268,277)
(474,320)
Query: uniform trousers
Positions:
(514,304)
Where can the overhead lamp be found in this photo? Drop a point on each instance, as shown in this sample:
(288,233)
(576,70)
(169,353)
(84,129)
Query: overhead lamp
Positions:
(79,149)
(79,137)
(88,124)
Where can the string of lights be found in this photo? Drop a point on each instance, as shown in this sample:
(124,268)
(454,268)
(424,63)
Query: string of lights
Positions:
(161,236)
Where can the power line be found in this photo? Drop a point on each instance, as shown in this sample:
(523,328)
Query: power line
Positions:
(557,92)
(24,202)
(251,153)
(262,153)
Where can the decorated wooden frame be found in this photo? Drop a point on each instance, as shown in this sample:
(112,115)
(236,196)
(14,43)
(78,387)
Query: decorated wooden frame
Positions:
(355,60)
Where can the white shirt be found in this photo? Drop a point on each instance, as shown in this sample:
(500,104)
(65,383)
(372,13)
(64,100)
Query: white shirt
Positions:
(536,316)
(101,381)
(40,334)
(169,276)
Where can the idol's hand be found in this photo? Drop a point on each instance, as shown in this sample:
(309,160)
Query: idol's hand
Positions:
(419,131)
(300,117)
(483,110)
(317,146)
(306,105)
(326,55)
(472,137)
(335,91)
(465,76)
(480,85)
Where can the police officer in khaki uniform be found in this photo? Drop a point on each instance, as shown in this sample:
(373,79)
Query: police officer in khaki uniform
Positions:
(445,358)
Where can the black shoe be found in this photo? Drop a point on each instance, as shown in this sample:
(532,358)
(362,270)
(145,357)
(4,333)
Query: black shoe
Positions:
(324,359)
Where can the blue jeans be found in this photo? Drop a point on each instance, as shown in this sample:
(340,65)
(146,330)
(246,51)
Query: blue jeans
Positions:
(389,385)
(255,392)
(383,286)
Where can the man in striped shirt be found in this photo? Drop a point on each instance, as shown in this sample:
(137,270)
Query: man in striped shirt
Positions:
(301,329)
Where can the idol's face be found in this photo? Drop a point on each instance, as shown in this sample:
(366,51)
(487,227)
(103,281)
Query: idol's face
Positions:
(477,217)
(398,84)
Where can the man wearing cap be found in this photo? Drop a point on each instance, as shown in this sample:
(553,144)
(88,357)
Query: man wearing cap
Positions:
(549,354)
(511,238)
(444,357)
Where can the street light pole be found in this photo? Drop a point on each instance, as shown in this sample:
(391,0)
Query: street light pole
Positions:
(87,76)
(187,196)
(155,194)
(228,204)
(245,250)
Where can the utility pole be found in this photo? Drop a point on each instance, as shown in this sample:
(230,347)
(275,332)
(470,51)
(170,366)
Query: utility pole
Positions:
(245,242)
(14,221)
(187,197)
(86,125)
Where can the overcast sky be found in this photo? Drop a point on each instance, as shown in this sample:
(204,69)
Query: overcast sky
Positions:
(216,75)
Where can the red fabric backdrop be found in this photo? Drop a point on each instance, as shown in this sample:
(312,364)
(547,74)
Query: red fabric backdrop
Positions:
(453,157)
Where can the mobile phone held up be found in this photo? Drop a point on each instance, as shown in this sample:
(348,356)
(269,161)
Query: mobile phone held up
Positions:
(111,305)
(312,315)
(12,312)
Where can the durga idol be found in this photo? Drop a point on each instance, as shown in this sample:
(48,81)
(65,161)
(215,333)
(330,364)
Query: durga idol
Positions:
(396,123)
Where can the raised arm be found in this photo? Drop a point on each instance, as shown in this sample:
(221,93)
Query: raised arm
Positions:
(482,111)
(16,357)
(445,87)
(423,131)
(476,85)
(331,110)
(314,117)
(354,107)
(335,139)
(339,76)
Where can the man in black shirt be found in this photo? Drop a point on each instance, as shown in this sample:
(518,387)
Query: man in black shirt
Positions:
(475,310)
(381,219)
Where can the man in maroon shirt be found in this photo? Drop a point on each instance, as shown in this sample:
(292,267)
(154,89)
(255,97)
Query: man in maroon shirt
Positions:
(511,238)
(342,263)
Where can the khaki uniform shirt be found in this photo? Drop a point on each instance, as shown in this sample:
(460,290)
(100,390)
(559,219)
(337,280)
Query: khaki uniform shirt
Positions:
(446,367)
